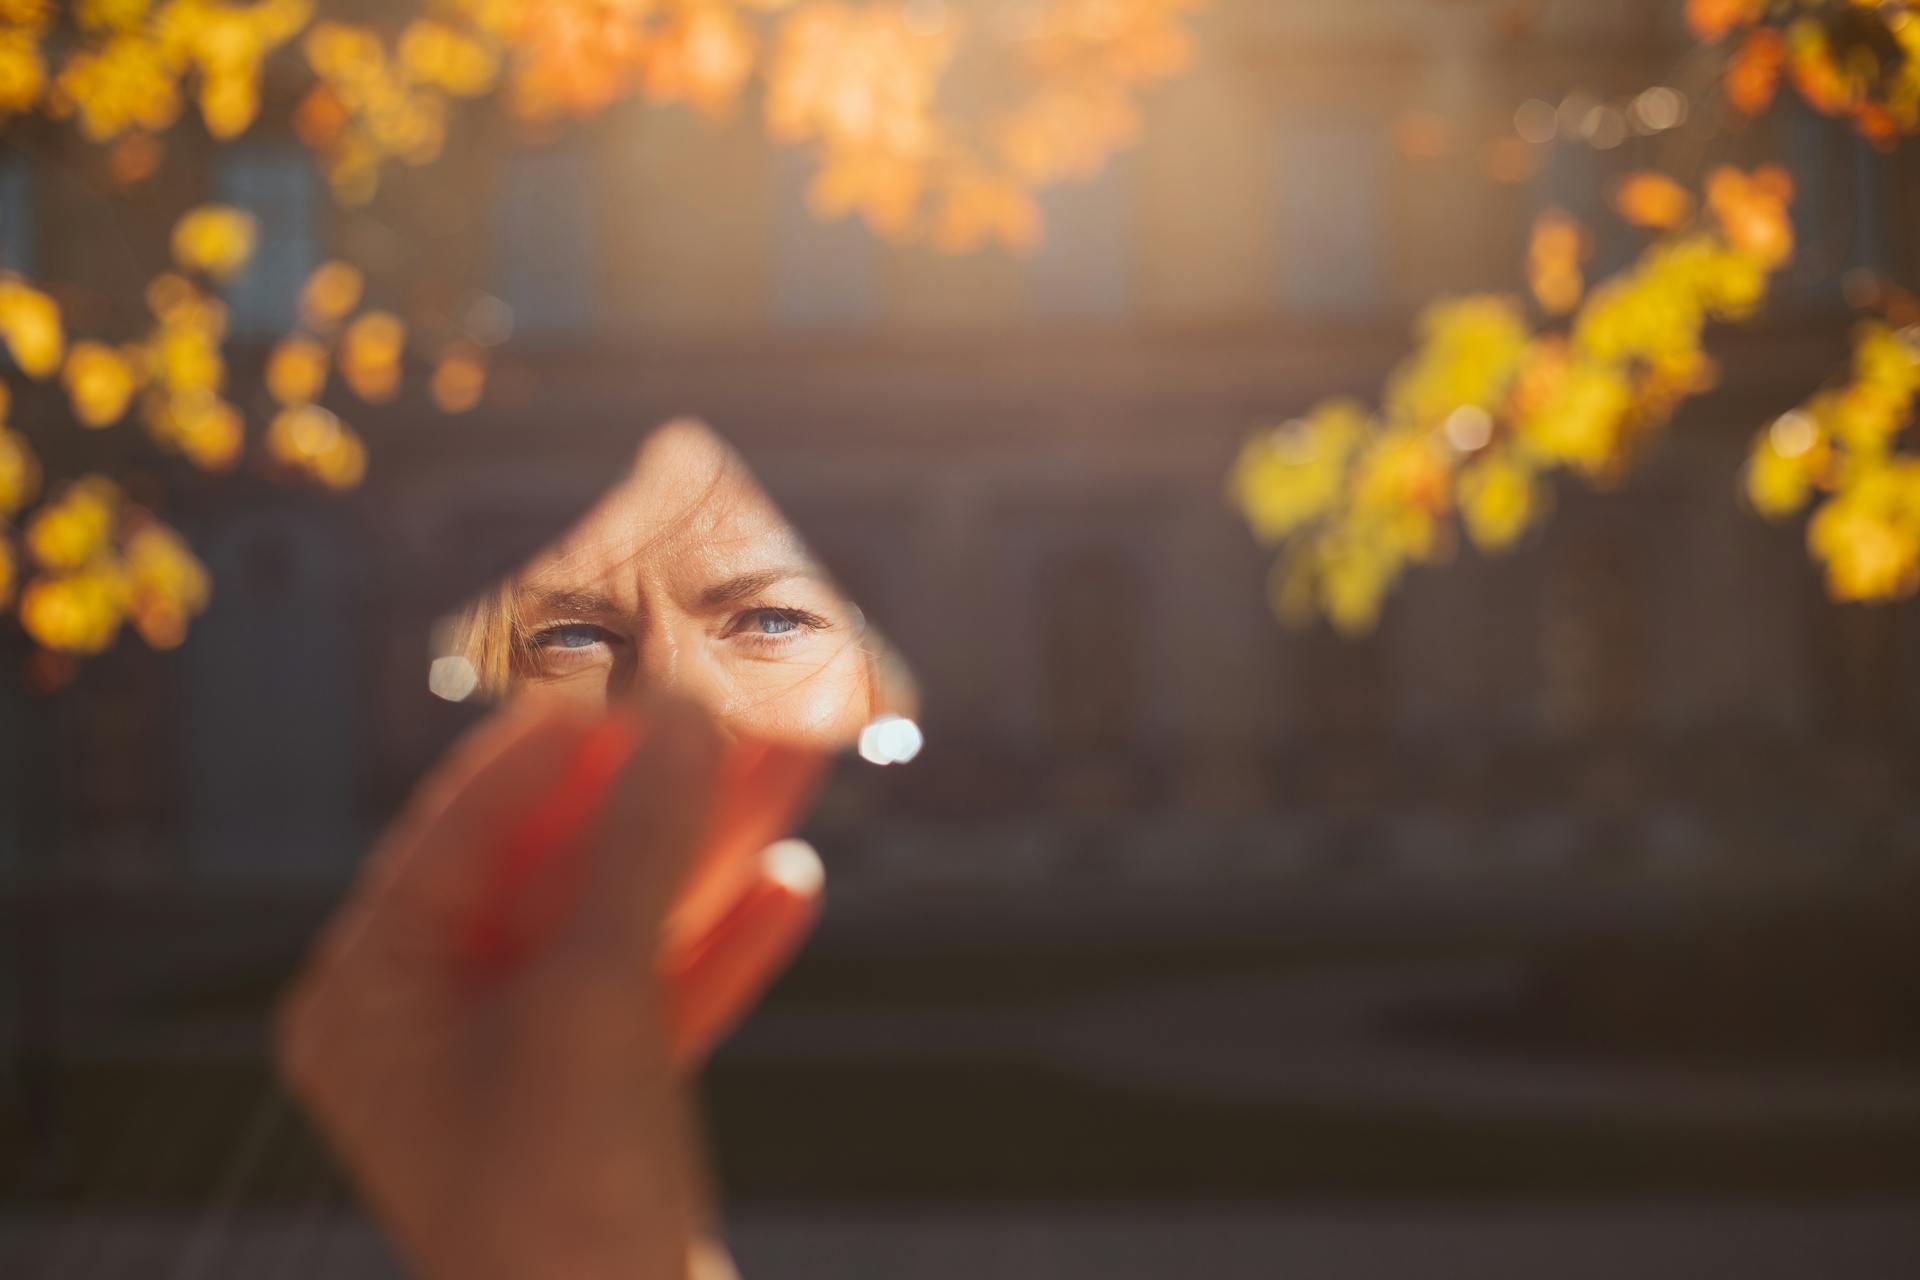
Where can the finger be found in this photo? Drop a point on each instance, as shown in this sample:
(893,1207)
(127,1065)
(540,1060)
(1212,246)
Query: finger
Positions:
(534,874)
(710,985)
(645,838)
(430,867)
(762,790)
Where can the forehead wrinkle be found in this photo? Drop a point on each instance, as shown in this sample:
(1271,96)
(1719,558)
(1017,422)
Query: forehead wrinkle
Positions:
(608,551)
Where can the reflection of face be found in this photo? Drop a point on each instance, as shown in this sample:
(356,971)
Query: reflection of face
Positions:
(687,578)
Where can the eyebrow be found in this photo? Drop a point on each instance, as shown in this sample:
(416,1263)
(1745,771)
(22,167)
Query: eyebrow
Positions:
(585,603)
(747,585)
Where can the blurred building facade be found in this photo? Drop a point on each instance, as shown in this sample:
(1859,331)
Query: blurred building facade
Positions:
(1018,464)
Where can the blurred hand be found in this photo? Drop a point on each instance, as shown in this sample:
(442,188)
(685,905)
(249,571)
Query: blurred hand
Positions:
(495,1031)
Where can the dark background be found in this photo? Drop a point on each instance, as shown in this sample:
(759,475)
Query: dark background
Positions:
(1564,926)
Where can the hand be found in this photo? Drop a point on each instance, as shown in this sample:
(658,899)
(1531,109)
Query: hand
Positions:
(484,1033)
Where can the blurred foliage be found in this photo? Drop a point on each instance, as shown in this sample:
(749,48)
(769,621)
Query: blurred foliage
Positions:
(1856,59)
(1837,453)
(1488,407)
(862,86)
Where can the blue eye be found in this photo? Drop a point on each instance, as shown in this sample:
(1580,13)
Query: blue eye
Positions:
(571,635)
(770,622)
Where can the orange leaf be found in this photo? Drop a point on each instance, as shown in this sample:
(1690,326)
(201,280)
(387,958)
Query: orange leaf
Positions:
(1753,77)
(1711,19)
(1649,199)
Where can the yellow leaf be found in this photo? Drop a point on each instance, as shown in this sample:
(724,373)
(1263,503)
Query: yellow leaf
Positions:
(315,441)
(19,472)
(23,72)
(1776,484)
(215,238)
(100,383)
(30,321)
(459,380)
(1650,199)
(1354,580)
(75,612)
(330,293)
(1554,254)
(1869,555)
(110,15)
(123,84)
(1292,474)
(297,371)
(74,528)
(229,102)
(209,431)
(370,354)
(450,59)
(1470,350)
(1498,500)
(166,584)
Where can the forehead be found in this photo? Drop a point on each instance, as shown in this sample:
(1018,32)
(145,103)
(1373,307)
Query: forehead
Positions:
(687,509)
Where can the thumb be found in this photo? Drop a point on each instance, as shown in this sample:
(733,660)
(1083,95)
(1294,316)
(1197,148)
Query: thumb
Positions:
(712,982)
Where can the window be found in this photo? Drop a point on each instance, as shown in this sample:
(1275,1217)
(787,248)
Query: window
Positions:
(545,242)
(1839,205)
(1084,269)
(825,274)
(1332,241)
(277,185)
(1578,180)
(17,222)
(1092,599)
(270,745)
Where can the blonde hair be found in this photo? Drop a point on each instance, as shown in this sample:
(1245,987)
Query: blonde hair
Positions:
(489,635)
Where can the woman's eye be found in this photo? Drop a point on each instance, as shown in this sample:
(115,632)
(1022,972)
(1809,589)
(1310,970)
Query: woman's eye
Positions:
(770,622)
(772,625)
(572,636)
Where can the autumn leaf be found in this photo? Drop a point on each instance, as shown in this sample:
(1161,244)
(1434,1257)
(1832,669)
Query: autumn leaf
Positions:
(297,370)
(1753,76)
(1554,254)
(370,355)
(1752,210)
(1711,19)
(100,382)
(459,379)
(30,323)
(330,293)
(215,238)
(1649,199)
(19,472)
(75,527)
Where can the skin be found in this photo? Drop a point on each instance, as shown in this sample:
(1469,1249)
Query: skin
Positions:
(527,1120)
(686,579)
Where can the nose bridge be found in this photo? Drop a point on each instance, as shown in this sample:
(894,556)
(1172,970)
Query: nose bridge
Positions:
(671,659)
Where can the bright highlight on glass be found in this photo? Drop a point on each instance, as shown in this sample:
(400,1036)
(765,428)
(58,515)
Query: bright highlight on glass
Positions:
(452,678)
(891,740)
(794,865)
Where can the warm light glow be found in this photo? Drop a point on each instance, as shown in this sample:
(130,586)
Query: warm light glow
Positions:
(1468,428)
(1793,433)
(1536,121)
(1660,108)
(891,740)
(452,678)
(795,866)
